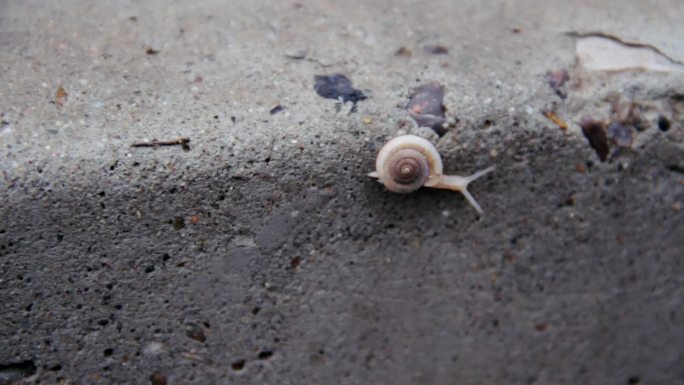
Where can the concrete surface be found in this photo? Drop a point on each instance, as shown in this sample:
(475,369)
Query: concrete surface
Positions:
(265,255)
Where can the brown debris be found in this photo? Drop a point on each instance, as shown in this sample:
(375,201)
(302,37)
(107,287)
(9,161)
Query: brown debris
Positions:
(152,51)
(60,97)
(435,49)
(194,219)
(403,51)
(550,115)
(158,378)
(595,132)
(541,327)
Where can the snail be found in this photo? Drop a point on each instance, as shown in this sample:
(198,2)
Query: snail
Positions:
(409,162)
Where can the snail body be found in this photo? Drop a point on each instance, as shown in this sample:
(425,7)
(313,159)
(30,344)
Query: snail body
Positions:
(409,162)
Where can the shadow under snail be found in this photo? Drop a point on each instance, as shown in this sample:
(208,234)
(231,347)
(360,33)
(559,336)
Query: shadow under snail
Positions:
(409,162)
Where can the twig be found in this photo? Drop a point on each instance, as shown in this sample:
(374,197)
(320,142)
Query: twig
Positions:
(156,143)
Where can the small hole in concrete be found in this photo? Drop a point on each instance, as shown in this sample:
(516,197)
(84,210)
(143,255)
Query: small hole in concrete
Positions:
(108,352)
(178,223)
(663,123)
(265,355)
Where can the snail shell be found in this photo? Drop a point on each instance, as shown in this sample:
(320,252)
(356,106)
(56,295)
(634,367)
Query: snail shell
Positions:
(409,162)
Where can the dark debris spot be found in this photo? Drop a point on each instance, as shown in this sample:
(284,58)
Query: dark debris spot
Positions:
(158,378)
(541,327)
(265,355)
(151,51)
(149,269)
(436,49)
(238,365)
(426,107)
(108,352)
(196,333)
(634,380)
(595,132)
(178,223)
(294,262)
(337,86)
(276,109)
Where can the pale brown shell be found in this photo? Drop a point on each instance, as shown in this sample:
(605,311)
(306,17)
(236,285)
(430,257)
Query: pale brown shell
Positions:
(408,162)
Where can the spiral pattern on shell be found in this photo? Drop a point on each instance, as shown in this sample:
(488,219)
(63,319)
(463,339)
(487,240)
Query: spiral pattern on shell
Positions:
(408,170)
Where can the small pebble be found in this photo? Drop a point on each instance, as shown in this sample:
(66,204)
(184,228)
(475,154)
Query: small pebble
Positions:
(297,55)
(556,80)
(153,349)
(426,107)
(620,134)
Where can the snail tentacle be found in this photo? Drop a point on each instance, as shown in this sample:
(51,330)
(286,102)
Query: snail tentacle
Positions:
(460,184)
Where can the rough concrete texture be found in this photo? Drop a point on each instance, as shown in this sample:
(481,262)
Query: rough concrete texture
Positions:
(265,255)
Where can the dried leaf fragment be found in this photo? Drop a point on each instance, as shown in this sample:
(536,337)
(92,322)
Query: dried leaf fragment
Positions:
(550,115)
(60,97)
